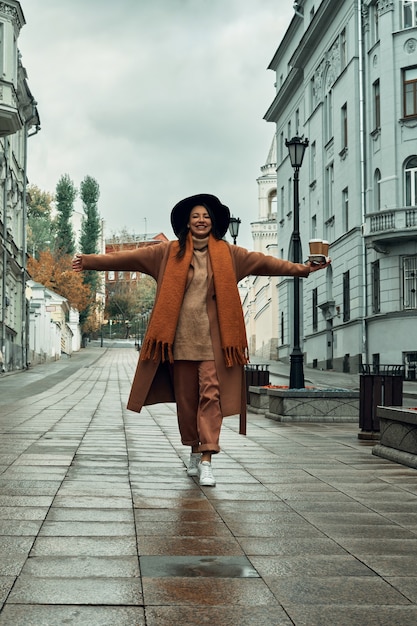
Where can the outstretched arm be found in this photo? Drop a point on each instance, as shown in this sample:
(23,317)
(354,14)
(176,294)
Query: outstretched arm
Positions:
(259,264)
(146,260)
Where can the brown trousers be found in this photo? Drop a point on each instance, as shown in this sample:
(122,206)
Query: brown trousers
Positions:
(197,396)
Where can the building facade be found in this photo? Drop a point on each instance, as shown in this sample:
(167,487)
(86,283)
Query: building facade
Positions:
(18,120)
(259,293)
(346,79)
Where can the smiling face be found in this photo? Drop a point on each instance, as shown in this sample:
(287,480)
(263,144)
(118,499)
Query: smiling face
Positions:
(199,222)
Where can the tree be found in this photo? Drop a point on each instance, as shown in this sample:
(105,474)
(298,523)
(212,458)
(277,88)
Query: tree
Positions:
(65,196)
(91,226)
(90,235)
(40,226)
(55,273)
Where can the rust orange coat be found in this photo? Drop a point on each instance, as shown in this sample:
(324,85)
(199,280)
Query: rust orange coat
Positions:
(152,382)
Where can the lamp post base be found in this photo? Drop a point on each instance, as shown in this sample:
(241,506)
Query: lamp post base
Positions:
(296,370)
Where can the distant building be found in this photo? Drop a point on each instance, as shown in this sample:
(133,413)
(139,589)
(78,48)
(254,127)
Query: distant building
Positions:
(346,78)
(53,325)
(128,242)
(19,120)
(259,293)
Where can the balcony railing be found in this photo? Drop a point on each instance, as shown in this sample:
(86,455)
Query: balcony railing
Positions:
(392,224)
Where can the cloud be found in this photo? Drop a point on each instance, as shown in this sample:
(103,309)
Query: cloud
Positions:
(157,99)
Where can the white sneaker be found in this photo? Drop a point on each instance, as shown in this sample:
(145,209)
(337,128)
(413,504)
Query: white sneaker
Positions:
(192,469)
(206,474)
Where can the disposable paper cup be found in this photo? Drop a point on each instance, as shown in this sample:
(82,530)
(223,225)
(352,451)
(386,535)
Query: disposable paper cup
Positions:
(315,246)
(325,248)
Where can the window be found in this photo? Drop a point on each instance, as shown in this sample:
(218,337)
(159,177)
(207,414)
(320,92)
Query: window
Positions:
(409,13)
(281,147)
(282,212)
(375,20)
(410,179)
(346,297)
(289,135)
(289,203)
(133,276)
(297,122)
(120,275)
(343,52)
(328,119)
(110,275)
(315,308)
(410,92)
(376,288)
(313,162)
(329,179)
(377,106)
(410,282)
(344,127)
(272,204)
(377,190)
(345,209)
(314,227)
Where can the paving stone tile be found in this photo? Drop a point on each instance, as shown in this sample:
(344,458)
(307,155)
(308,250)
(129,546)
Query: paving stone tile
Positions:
(88,546)
(91,502)
(109,591)
(87,529)
(22,513)
(20,528)
(347,615)
(171,546)
(196,591)
(346,590)
(57,514)
(218,615)
(48,615)
(82,567)
(310,565)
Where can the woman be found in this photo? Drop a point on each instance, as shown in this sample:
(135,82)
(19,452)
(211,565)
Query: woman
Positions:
(195,346)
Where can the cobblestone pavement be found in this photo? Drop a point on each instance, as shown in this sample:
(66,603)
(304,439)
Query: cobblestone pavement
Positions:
(100,524)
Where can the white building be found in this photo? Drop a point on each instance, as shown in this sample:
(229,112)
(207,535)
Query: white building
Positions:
(53,325)
(18,121)
(259,293)
(346,78)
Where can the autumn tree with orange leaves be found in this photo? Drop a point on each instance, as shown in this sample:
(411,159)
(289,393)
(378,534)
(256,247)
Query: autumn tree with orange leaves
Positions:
(55,273)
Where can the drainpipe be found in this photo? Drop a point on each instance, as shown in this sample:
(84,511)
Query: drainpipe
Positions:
(24,334)
(3,289)
(362,144)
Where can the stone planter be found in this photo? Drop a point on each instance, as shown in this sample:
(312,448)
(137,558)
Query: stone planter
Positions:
(259,401)
(308,405)
(398,435)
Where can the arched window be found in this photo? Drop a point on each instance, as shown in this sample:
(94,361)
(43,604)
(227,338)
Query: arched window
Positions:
(410,181)
(377,190)
(272,204)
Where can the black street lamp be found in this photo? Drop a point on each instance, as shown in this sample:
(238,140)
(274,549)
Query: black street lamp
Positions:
(296,148)
(234,227)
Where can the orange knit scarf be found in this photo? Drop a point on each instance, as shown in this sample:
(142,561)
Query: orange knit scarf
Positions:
(162,326)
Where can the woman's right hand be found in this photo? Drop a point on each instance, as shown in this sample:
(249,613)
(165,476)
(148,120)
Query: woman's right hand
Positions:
(77,265)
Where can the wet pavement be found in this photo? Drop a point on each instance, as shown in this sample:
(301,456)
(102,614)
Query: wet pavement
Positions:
(100,524)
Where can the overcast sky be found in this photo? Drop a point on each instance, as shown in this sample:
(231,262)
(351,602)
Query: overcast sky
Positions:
(156,99)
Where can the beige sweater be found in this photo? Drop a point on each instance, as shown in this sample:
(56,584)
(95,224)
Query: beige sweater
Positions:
(192,338)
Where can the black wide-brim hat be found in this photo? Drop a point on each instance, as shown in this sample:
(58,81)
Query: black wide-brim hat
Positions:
(181,212)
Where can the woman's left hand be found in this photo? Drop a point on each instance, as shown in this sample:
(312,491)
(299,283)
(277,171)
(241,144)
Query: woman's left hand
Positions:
(318,265)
